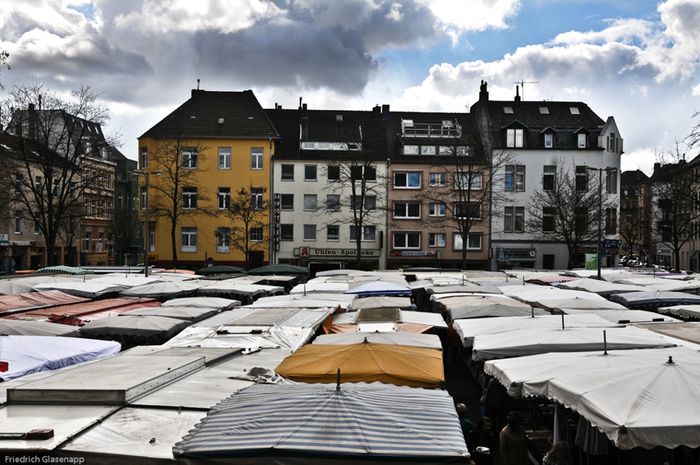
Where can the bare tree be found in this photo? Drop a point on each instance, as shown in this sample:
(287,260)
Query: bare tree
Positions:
(568,210)
(248,211)
(177,190)
(54,141)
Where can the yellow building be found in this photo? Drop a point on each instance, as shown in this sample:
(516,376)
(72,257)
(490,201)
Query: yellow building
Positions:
(210,155)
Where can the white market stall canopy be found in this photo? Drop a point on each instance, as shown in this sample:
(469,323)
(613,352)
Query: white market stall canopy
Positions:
(165,289)
(306,301)
(538,341)
(36,328)
(623,316)
(202,302)
(603,288)
(238,288)
(651,300)
(91,289)
(429,341)
(685,312)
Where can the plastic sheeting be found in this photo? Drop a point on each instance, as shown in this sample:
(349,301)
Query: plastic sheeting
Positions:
(29,354)
(361,421)
(429,341)
(537,341)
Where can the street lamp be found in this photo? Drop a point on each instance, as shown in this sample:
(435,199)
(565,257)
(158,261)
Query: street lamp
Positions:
(146,239)
(600,211)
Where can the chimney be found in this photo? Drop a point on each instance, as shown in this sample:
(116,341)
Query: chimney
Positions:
(517,93)
(385,111)
(483,92)
(377,110)
(304,107)
(196,92)
(300,103)
(657,166)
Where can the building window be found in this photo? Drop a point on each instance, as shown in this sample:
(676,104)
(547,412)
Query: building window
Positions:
(188,239)
(471,210)
(437,179)
(189,198)
(407,180)
(581,178)
(612,142)
(468,181)
(309,232)
(224,197)
(548,140)
(574,110)
(369,233)
(287,201)
(436,240)
(143,158)
(410,150)
(611,181)
(549,177)
(427,150)
(152,237)
(286,232)
(333,173)
(610,220)
(223,240)
(544,110)
(333,232)
(407,210)
(257,200)
(548,215)
(224,158)
(370,202)
(333,202)
(508,110)
(356,173)
(310,202)
(407,240)
(581,221)
(437,209)
(473,241)
(581,138)
(18,222)
(515,178)
(287,172)
(514,219)
(514,138)
(255,234)
(144,198)
(189,158)
(256,158)
(310,173)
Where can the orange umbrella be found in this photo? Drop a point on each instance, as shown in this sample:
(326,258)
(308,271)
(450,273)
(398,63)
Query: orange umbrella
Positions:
(365,362)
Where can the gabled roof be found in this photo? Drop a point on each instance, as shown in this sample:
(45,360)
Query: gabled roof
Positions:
(559,116)
(633,177)
(216,115)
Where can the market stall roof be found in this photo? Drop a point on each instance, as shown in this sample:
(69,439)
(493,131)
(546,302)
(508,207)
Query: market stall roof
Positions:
(380,288)
(651,300)
(163,289)
(29,354)
(661,284)
(365,362)
(468,288)
(36,328)
(382,302)
(219,269)
(529,375)
(306,301)
(248,338)
(34,300)
(218,303)
(430,341)
(357,421)
(537,341)
(91,289)
(685,312)
(623,316)
(237,287)
(63,269)
(581,303)
(320,287)
(265,317)
(469,329)
(135,330)
(687,331)
(280,269)
(16,285)
(404,316)
(190,314)
(652,406)
(82,312)
(599,287)
(126,280)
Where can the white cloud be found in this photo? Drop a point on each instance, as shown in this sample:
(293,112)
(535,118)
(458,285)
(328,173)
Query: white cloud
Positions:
(473,15)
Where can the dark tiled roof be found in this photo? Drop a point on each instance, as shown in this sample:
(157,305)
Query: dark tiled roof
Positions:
(664,173)
(366,127)
(633,177)
(559,118)
(198,117)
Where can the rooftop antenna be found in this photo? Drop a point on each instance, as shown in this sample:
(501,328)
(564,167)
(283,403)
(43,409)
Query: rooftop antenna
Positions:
(197,83)
(522,83)
(337,385)
(605,343)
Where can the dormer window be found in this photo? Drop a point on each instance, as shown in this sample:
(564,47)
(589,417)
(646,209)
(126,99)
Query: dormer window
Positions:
(514,138)
(544,111)
(581,140)
(549,140)
(508,110)
(574,110)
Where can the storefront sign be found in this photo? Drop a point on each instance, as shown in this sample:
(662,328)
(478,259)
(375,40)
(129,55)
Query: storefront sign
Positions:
(319,252)
(412,253)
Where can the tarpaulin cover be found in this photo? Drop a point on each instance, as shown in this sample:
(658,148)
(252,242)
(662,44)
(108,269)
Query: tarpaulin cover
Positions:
(13,286)
(661,284)
(464,288)
(380,287)
(687,331)
(365,362)
(267,338)
(210,302)
(36,328)
(623,316)
(429,341)
(599,287)
(529,375)
(382,302)
(135,330)
(364,421)
(93,309)
(91,289)
(168,289)
(468,329)
(320,287)
(539,341)
(28,354)
(650,300)
(686,312)
(190,314)
(236,287)
(652,406)
(308,301)
(32,300)
(337,328)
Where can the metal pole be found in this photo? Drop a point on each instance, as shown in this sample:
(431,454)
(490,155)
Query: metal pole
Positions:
(146,239)
(600,216)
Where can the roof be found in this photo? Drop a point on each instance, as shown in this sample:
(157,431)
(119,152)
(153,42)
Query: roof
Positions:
(216,115)
(633,177)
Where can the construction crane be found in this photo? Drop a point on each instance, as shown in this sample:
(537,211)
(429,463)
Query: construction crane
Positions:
(522,83)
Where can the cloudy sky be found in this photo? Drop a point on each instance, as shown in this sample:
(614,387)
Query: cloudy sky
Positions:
(634,59)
